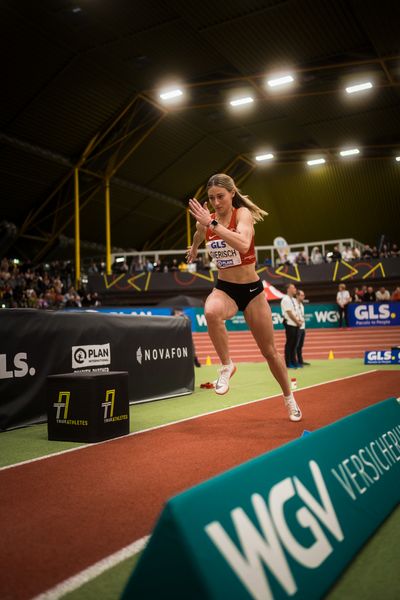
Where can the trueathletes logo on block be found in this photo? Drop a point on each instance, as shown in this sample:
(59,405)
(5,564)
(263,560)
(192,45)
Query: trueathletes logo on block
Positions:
(90,356)
(152,354)
(62,407)
(109,405)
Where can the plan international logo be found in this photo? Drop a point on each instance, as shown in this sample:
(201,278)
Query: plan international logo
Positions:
(91,355)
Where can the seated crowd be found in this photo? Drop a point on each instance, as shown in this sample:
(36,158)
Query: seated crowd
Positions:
(23,285)
(367,293)
(45,286)
(347,253)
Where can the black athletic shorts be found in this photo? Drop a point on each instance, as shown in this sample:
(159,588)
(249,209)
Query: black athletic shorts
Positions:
(241,293)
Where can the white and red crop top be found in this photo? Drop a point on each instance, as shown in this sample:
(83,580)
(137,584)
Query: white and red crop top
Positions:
(222,254)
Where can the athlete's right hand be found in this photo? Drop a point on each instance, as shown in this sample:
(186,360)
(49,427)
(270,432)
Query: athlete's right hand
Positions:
(199,212)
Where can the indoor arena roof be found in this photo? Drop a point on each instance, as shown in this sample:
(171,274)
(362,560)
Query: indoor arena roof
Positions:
(82,86)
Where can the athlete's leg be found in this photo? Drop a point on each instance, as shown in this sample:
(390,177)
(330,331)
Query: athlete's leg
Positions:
(259,319)
(219,306)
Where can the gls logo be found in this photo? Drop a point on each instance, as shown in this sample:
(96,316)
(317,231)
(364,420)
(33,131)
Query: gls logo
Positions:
(265,542)
(218,244)
(365,312)
(380,355)
(21,368)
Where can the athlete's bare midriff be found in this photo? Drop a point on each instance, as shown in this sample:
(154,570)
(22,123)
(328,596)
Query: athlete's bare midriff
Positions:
(240,274)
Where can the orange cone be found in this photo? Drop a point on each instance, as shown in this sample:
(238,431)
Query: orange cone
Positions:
(208,361)
(330,356)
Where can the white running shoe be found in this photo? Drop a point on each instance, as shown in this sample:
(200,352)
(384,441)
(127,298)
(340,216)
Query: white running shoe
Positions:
(293,409)
(222,383)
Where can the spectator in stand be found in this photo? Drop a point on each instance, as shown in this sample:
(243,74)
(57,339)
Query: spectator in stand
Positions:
(395,297)
(72,299)
(335,255)
(375,252)
(93,270)
(356,253)
(174,265)
(357,295)
(369,295)
(343,299)
(301,258)
(148,265)
(394,251)
(384,251)
(382,295)
(316,256)
(347,253)
(367,252)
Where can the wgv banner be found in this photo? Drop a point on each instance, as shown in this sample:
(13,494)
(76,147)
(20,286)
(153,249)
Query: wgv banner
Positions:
(316,316)
(285,524)
(374,314)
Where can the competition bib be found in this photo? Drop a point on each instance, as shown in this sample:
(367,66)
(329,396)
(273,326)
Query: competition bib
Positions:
(223,254)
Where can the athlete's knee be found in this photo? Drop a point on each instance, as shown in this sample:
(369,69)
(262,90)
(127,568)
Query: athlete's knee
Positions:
(212,314)
(270,352)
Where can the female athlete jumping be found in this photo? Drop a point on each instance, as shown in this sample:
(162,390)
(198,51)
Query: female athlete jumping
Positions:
(229,236)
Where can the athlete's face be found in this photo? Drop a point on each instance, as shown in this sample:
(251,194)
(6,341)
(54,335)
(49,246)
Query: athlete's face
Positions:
(221,199)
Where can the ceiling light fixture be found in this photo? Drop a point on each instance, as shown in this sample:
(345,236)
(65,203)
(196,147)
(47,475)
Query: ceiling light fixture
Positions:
(316,161)
(359,87)
(284,80)
(261,157)
(398,158)
(241,101)
(350,152)
(171,94)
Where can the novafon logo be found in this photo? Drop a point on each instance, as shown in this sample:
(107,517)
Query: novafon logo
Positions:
(265,542)
(15,367)
(90,356)
(154,354)
(139,355)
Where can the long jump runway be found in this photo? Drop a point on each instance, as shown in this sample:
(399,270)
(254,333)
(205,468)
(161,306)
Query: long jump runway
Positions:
(64,513)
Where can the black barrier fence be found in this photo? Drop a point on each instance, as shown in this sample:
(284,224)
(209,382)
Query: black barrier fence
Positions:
(137,286)
(157,353)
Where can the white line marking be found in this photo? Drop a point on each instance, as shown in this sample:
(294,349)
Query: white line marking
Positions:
(84,446)
(76,581)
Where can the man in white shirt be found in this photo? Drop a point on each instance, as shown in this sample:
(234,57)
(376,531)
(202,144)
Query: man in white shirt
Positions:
(383,295)
(300,295)
(343,298)
(292,322)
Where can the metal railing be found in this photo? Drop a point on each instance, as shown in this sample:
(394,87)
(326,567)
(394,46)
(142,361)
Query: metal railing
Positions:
(264,254)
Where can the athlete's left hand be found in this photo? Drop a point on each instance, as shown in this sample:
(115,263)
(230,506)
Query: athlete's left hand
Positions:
(199,212)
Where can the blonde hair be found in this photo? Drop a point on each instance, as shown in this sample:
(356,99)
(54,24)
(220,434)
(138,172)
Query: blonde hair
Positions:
(239,199)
